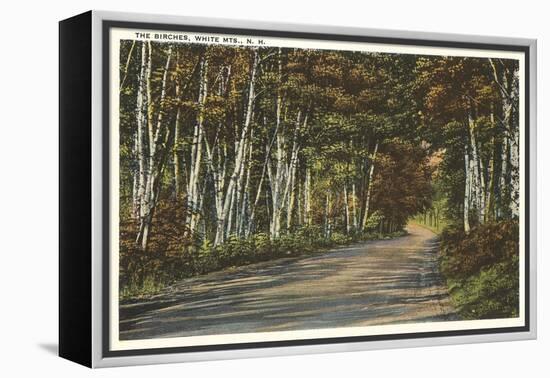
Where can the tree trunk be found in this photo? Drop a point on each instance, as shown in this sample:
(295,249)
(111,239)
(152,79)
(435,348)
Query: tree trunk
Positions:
(218,170)
(229,225)
(218,173)
(238,190)
(240,152)
(175,151)
(346,209)
(292,168)
(290,202)
(328,224)
(514,143)
(307,197)
(149,91)
(127,65)
(279,174)
(478,183)
(154,164)
(354,206)
(260,183)
(506,79)
(245,208)
(369,188)
(299,202)
(466,206)
(141,113)
(193,194)
(490,213)
(140,138)
(135,181)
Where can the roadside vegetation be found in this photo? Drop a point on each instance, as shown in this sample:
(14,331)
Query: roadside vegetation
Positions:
(482,270)
(481,266)
(145,273)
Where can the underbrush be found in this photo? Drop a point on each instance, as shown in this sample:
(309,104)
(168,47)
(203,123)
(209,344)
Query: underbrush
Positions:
(482,269)
(173,257)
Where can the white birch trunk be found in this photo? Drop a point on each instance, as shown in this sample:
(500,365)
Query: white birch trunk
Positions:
(176,153)
(149,91)
(477,182)
(217,178)
(176,158)
(193,194)
(299,203)
(291,195)
(507,83)
(466,206)
(246,192)
(154,165)
(505,157)
(307,197)
(513,89)
(277,180)
(127,65)
(354,206)
(265,168)
(346,209)
(239,189)
(328,223)
(240,152)
(218,170)
(292,169)
(135,183)
(230,215)
(369,188)
(141,118)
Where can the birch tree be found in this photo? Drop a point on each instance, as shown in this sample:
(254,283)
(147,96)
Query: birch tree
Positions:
(234,178)
(225,141)
(155,162)
(369,187)
(195,161)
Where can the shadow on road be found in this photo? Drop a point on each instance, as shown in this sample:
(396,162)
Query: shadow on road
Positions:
(379,282)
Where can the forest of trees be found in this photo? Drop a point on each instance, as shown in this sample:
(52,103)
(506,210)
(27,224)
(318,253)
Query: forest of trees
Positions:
(223,144)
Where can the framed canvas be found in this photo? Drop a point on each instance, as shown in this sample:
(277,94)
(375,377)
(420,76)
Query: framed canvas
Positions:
(233,189)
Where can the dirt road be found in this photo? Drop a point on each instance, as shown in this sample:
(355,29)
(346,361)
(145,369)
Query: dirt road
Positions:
(372,283)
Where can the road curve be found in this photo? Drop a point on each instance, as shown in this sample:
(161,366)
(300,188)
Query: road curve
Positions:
(372,283)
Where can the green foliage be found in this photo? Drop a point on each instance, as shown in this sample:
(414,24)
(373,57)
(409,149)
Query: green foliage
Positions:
(482,269)
(373,221)
(435,217)
(490,294)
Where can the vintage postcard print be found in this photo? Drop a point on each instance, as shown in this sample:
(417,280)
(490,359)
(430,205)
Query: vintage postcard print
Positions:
(268,188)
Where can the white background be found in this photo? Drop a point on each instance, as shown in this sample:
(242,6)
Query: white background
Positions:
(29,190)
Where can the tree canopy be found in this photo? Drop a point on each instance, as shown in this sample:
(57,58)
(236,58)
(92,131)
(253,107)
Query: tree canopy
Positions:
(222,141)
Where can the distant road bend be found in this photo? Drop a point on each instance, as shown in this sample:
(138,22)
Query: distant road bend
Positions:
(371,283)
